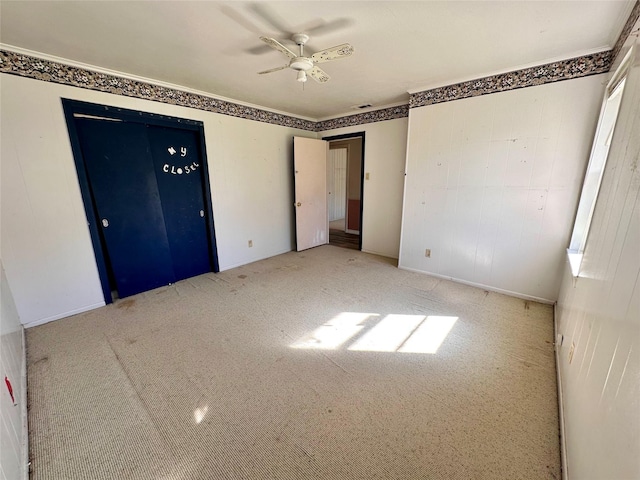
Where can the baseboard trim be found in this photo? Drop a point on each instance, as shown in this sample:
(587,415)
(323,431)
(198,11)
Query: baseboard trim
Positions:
(24,411)
(352,232)
(75,311)
(563,440)
(241,264)
(484,287)
(380,254)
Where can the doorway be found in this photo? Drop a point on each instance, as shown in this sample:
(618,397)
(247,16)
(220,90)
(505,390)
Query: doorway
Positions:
(144,182)
(345,176)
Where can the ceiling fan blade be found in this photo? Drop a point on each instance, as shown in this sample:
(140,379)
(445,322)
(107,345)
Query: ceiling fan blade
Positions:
(322,28)
(273,69)
(239,19)
(273,43)
(318,75)
(258,49)
(269,15)
(332,53)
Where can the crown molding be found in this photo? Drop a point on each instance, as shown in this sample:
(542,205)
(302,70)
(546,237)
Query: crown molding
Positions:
(49,68)
(626,29)
(15,61)
(381,115)
(355,111)
(528,77)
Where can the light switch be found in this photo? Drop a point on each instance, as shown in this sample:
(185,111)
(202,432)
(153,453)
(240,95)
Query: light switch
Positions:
(366,176)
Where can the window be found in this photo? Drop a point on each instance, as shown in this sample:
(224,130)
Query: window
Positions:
(597,163)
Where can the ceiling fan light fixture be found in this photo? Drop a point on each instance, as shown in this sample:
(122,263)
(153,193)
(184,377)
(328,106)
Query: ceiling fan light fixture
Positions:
(301,63)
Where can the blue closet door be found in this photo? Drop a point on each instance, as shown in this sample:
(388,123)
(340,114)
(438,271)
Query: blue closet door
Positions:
(179,169)
(124,188)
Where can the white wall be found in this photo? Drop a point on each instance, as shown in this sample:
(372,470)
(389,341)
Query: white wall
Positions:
(599,315)
(13,418)
(385,146)
(492,184)
(46,247)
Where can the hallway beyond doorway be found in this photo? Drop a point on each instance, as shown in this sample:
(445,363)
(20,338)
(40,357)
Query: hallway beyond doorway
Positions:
(340,238)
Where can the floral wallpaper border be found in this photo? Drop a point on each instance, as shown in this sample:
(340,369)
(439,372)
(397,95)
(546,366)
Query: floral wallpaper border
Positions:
(373,116)
(527,77)
(626,30)
(48,71)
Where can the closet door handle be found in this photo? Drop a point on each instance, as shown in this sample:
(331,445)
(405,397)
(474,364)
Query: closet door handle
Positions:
(105,222)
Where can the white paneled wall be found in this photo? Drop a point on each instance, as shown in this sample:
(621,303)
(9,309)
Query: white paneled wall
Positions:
(492,184)
(337,183)
(384,157)
(13,431)
(46,247)
(599,318)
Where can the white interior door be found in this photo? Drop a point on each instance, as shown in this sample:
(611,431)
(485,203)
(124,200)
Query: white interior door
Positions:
(337,183)
(310,169)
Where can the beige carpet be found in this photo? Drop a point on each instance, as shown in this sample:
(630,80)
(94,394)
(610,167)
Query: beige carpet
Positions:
(298,367)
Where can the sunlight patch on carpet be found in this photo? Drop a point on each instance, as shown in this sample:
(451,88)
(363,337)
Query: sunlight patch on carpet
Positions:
(335,332)
(366,332)
(200,413)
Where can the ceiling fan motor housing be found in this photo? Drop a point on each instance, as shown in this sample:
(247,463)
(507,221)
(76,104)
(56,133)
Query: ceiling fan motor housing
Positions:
(301,63)
(300,38)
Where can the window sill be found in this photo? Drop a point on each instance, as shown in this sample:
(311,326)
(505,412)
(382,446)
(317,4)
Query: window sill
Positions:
(575,259)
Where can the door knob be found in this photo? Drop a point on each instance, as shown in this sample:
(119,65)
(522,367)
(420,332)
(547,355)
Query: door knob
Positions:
(298,204)
(105,222)
(202,213)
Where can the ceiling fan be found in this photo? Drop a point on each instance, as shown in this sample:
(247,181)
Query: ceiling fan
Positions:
(307,65)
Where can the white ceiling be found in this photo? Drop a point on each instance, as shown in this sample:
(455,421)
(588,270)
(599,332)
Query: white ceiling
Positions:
(399,46)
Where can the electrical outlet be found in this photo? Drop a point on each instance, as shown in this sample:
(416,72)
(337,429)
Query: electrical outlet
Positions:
(427,253)
(250,243)
(571,350)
